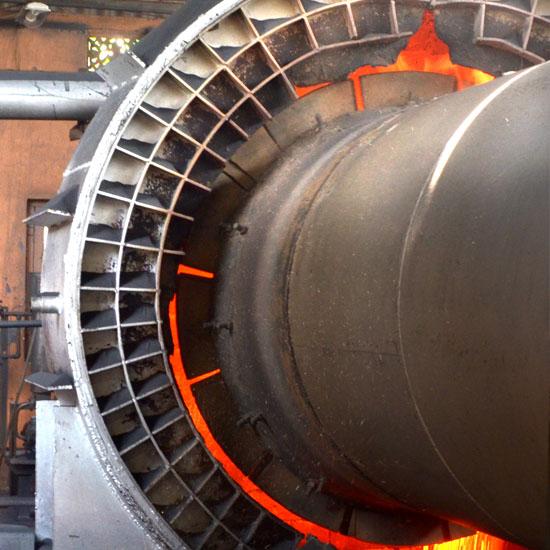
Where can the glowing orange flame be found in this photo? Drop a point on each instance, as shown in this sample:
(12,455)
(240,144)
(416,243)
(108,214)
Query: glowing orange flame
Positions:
(204,377)
(425,52)
(187,270)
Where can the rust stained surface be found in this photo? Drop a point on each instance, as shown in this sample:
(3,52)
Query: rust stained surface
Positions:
(34,154)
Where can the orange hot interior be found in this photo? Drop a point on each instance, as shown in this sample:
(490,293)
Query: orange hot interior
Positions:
(424,52)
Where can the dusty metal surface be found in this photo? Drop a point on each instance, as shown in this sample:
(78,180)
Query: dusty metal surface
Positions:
(66,462)
(160,145)
(359,273)
(16,537)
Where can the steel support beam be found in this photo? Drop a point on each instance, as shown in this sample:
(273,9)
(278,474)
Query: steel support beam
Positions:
(148,7)
(51,96)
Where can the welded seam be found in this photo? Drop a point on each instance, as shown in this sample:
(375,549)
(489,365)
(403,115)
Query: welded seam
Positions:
(424,196)
(346,147)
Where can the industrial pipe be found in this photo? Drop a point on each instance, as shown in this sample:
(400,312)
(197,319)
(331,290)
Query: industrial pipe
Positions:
(19,324)
(388,311)
(51,96)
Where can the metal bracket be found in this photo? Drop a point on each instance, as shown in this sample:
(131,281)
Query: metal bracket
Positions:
(57,211)
(59,383)
(47,302)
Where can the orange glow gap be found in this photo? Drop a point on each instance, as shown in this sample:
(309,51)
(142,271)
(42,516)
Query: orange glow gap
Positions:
(203,377)
(425,52)
(307,528)
(191,271)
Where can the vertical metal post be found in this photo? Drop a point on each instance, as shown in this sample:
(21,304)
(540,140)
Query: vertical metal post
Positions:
(3,387)
(45,452)
(4,376)
(7,324)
